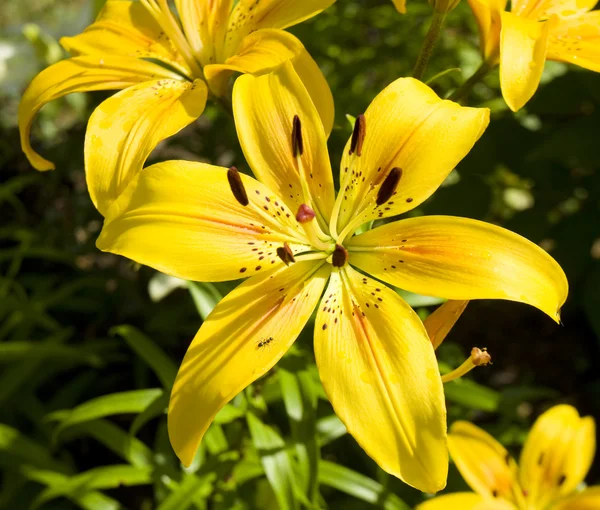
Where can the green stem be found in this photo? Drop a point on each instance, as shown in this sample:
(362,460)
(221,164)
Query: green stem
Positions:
(224,103)
(429,43)
(463,91)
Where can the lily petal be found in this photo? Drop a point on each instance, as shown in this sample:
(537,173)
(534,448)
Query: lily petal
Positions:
(243,337)
(442,320)
(459,258)
(400,6)
(125,28)
(205,25)
(487,13)
(407,127)
(264,108)
(265,50)
(175,216)
(588,499)
(250,15)
(576,41)
(543,9)
(125,129)
(523,45)
(465,501)
(557,455)
(79,74)
(483,462)
(379,371)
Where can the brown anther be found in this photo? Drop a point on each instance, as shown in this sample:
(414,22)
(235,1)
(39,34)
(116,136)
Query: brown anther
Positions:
(358,135)
(297,142)
(339,256)
(304,214)
(389,185)
(480,357)
(286,254)
(237,186)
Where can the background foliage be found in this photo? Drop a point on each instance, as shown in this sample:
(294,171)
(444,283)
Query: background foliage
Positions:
(90,344)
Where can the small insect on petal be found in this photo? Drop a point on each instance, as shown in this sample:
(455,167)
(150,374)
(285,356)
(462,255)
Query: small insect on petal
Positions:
(389,185)
(339,256)
(358,135)
(297,142)
(264,342)
(286,254)
(305,214)
(237,186)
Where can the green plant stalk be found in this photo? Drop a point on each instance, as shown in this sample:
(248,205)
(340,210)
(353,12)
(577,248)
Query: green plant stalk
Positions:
(463,91)
(429,44)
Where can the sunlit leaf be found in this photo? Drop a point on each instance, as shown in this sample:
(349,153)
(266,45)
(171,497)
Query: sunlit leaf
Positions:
(157,360)
(359,486)
(126,402)
(275,460)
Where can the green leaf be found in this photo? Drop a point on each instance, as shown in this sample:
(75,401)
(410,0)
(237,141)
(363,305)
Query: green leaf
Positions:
(196,488)
(228,414)
(300,399)
(191,488)
(153,355)
(472,395)
(275,460)
(126,402)
(330,428)
(16,448)
(155,409)
(115,439)
(205,296)
(14,377)
(359,486)
(161,285)
(11,352)
(417,300)
(105,477)
(215,439)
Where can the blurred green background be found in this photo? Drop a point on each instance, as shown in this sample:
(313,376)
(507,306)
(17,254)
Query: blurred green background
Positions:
(89,343)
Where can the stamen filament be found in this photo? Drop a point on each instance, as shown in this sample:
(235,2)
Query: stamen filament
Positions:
(303,257)
(338,202)
(479,357)
(292,232)
(356,143)
(351,227)
(160,11)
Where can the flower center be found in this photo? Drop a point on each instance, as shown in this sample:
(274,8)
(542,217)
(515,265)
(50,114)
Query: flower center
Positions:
(160,11)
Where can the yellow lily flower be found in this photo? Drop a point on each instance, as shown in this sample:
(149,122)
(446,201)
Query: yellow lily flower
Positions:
(555,459)
(293,237)
(165,67)
(532,32)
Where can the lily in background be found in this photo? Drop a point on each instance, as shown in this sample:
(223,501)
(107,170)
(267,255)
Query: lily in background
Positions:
(167,66)
(294,239)
(554,462)
(521,40)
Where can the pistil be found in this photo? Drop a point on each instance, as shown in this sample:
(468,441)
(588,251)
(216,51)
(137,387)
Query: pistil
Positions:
(297,152)
(317,238)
